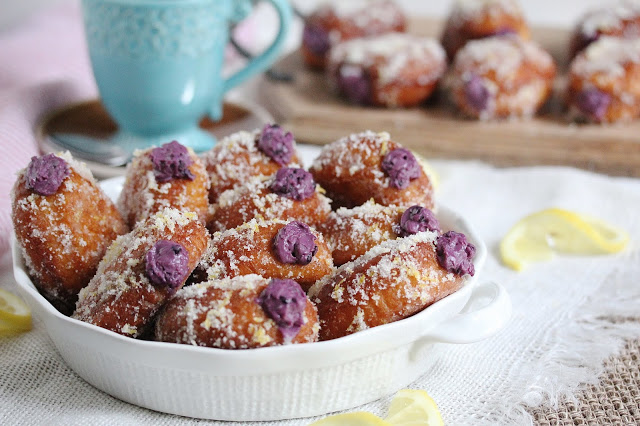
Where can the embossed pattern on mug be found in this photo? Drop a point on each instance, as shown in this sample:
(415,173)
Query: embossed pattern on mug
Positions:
(138,32)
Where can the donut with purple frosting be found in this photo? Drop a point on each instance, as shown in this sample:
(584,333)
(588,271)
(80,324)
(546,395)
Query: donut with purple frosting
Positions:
(500,77)
(371,165)
(603,82)
(290,194)
(63,223)
(170,175)
(244,312)
(335,22)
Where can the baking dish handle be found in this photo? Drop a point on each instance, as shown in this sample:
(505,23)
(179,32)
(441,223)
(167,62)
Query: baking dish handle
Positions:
(487,311)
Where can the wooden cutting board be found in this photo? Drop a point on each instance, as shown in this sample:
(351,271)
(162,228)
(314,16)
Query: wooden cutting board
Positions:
(315,114)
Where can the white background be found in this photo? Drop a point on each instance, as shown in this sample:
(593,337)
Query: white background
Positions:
(556,12)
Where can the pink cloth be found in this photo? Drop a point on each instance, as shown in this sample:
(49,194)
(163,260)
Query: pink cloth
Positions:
(44,65)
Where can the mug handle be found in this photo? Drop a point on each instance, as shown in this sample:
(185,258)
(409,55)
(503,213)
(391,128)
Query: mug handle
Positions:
(262,61)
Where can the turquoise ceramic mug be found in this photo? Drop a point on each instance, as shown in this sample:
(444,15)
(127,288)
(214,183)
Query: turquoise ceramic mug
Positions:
(158,64)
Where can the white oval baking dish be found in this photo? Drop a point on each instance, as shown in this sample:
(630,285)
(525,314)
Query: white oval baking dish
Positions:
(278,382)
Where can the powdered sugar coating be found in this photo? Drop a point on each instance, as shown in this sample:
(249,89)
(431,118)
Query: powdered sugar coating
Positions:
(517,76)
(121,297)
(603,80)
(611,18)
(502,56)
(249,249)
(391,281)
(469,9)
(352,232)
(235,159)
(350,171)
(63,236)
(226,314)
(478,19)
(363,14)
(337,21)
(255,199)
(392,54)
(607,57)
(142,193)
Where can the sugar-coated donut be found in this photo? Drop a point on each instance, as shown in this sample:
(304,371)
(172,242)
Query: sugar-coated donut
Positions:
(604,82)
(242,155)
(168,176)
(370,165)
(335,22)
(390,70)
(621,19)
(501,77)
(476,19)
(291,193)
(350,233)
(272,249)
(392,281)
(64,224)
(141,270)
(244,312)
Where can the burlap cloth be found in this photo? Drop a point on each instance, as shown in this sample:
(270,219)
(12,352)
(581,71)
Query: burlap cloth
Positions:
(615,400)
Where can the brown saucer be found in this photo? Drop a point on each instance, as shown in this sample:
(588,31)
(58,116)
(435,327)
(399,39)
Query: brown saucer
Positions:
(91,120)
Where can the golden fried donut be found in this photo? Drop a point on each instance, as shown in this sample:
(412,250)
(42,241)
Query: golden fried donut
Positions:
(272,249)
(370,165)
(604,82)
(477,19)
(169,176)
(141,270)
(64,224)
(291,193)
(389,70)
(244,312)
(350,233)
(242,155)
(621,19)
(335,22)
(392,281)
(501,77)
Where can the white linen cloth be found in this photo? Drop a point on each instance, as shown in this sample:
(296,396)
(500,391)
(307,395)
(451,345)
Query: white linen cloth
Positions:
(568,315)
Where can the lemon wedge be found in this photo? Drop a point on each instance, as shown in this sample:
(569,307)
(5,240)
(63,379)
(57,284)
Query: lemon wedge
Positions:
(359,418)
(15,315)
(539,236)
(412,407)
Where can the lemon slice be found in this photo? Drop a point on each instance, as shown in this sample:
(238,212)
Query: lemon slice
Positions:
(15,315)
(359,418)
(538,236)
(412,407)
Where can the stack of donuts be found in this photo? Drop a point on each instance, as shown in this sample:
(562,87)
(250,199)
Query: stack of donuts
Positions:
(485,60)
(241,247)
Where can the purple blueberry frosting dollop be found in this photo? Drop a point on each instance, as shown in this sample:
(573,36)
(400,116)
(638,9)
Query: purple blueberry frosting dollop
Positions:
(355,84)
(476,93)
(296,184)
(455,253)
(418,219)
(171,161)
(295,244)
(402,167)
(284,302)
(276,143)
(45,174)
(167,264)
(316,39)
(593,102)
